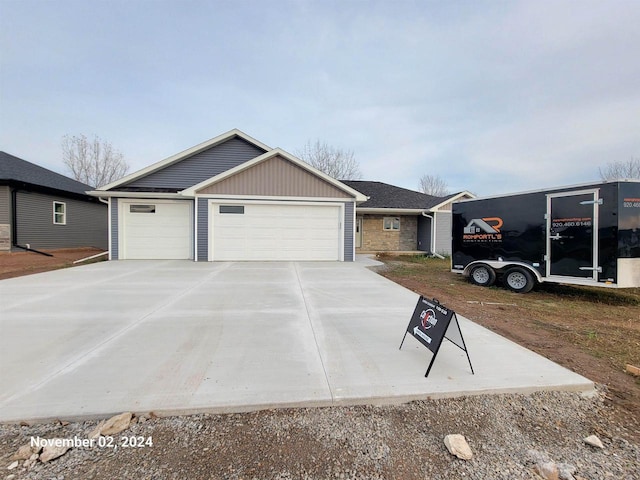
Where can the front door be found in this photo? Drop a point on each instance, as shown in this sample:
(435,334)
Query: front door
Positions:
(572,234)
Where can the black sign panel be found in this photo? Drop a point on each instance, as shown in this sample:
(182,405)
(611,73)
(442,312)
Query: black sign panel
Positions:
(429,323)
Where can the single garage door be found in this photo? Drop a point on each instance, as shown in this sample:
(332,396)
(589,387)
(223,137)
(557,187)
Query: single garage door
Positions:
(254,231)
(156,230)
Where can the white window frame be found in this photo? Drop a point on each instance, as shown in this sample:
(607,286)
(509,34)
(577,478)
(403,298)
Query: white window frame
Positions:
(63,213)
(392,220)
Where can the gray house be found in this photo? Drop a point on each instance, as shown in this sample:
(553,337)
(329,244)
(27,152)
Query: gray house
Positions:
(398,220)
(231,198)
(44,210)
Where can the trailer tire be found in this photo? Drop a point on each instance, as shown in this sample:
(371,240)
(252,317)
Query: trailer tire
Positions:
(482,275)
(518,280)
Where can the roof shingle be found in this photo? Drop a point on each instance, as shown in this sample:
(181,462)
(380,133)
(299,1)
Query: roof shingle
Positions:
(383,195)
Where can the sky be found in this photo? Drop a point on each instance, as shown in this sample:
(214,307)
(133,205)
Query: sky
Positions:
(492,96)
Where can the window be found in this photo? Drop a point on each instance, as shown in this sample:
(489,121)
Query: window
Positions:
(232,209)
(391,223)
(142,208)
(59,213)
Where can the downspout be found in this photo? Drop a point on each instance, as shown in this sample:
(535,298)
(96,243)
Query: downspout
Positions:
(433,236)
(14,225)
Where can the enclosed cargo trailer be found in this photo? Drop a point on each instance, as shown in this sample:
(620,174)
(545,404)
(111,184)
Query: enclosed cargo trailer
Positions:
(581,235)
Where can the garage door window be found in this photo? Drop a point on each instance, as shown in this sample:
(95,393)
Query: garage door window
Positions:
(142,208)
(237,209)
(392,223)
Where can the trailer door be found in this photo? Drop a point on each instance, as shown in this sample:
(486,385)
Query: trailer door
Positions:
(572,234)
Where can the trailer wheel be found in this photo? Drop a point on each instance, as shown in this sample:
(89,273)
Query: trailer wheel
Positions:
(482,275)
(519,280)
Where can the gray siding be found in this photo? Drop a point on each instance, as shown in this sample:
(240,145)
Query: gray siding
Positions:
(203,230)
(5,217)
(114,229)
(443,233)
(86,222)
(424,234)
(349,229)
(201,166)
(5,204)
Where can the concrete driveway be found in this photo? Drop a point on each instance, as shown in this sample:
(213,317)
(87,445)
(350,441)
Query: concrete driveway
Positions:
(180,337)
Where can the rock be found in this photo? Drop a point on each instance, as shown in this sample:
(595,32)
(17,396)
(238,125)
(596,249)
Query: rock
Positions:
(593,441)
(566,471)
(33,459)
(24,452)
(51,452)
(548,470)
(458,446)
(13,465)
(95,433)
(116,424)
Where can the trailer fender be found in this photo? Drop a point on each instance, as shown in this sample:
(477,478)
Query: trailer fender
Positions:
(501,266)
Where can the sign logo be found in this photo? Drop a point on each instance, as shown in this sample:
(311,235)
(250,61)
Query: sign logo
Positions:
(428,319)
(485,229)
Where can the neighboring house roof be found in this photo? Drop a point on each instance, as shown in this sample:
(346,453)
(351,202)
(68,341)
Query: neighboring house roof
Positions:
(16,170)
(383,195)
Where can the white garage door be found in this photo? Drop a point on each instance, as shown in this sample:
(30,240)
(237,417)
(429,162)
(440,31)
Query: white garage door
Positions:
(156,230)
(275,232)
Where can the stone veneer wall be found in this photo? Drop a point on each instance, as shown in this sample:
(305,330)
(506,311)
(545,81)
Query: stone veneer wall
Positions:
(376,239)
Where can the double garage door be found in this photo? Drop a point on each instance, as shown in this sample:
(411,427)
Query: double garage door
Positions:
(237,231)
(263,231)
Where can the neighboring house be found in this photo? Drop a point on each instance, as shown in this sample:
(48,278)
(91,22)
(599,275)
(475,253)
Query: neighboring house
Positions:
(231,198)
(395,219)
(42,209)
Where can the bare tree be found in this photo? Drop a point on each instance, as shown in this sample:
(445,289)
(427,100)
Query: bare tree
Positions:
(621,170)
(93,161)
(433,185)
(337,163)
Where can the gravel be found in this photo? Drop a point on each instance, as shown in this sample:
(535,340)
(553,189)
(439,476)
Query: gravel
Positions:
(511,437)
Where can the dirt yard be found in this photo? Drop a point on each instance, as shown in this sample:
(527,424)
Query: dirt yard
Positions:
(16,264)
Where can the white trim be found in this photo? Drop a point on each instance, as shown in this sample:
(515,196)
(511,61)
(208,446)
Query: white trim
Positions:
(273,198)
(150,195)
(214,201)
(195,229)
(384,228)
(355,226)
(191,191)
(184,154)
(109,227)
(453,199)
(64,212)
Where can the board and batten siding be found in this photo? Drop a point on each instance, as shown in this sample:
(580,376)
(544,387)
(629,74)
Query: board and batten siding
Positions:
(276,176)
(443,233)
(86,222)
(114,229)
(201,166)
(202,218)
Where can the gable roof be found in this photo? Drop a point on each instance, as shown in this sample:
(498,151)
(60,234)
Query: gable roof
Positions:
(385,196)
(359,197)
(17,170)
(184,155)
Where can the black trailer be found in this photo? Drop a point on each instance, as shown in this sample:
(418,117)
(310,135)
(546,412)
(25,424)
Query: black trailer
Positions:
(581,235)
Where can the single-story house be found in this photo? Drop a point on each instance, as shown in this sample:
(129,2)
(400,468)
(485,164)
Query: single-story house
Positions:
(231,198)
(396,219)
(43,210)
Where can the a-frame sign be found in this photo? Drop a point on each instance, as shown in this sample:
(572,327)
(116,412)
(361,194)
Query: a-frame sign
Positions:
(431,323)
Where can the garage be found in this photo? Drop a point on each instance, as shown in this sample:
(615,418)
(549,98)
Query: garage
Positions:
(275,231)
(157,229)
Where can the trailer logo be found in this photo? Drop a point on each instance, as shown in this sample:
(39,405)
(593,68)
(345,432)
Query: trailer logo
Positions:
(483,230)
(428,319)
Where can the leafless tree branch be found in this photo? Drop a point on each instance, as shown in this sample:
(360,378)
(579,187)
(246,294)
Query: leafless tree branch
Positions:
(93,161)
(337,163)
(433,185)
(629,169)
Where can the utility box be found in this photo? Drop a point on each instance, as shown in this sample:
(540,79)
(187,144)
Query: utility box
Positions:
(581,235)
